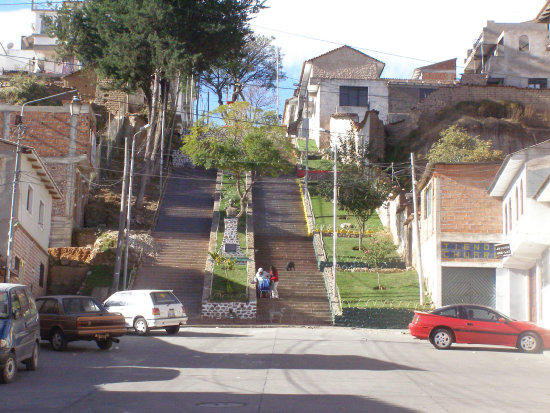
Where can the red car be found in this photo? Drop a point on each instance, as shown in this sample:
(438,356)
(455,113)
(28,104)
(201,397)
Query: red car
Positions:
(476,324)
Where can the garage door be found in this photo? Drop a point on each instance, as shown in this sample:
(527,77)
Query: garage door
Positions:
(468,285)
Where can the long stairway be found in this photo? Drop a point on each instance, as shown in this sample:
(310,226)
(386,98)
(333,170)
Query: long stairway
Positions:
(280,236)
(181,238)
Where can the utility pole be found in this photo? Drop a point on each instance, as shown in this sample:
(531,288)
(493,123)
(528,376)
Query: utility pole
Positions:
(122,219)
(416,229)
(129,208)
(161,137)
(334,216)
(277,86)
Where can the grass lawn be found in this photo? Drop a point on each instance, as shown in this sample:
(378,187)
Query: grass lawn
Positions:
(232,287)
(323,216)
(320,165)
(311,146)
(101,276)
(356,288)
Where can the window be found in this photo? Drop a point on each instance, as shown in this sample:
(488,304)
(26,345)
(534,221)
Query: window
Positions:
(537,83)
(80,305)
(428,202)
(482,314)
(164,298)
(506,219)
(354,96)
(29,199)
(15,305)
(41,214)
(424,92)
(41,275)
(447,312)
(523,43)
(49,307)
(517,204)
(32,304)
(495,81)
(17,265)
(24,301)
(510,214)
(521,196)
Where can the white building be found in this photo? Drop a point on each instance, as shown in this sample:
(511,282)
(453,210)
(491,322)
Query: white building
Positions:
(523,185)
(344,90)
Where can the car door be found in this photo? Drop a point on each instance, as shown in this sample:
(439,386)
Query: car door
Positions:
(486,327)
(119,303)
(49,314)
(454,319)
(22,338)
(33,323)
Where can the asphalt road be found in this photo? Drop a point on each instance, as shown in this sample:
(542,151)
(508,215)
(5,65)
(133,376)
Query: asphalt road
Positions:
(280,370)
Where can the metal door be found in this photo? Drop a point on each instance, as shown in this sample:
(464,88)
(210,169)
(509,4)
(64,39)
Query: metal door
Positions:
(468,285)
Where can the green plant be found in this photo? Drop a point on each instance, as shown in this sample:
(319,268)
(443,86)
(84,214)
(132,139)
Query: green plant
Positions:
(378,250)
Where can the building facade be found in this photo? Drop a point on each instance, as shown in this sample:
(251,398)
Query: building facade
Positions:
(522,185)
(35,196)
(460,225)
(67,144)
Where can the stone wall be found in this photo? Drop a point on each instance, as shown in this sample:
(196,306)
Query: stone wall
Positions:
(219,311)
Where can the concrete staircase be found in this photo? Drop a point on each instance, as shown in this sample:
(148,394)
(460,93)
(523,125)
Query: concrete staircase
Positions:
(181,238)
(280,236)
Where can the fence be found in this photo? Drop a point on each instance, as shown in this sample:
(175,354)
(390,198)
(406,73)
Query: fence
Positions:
(378,314)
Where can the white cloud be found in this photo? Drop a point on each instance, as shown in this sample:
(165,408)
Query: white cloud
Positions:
(13,25)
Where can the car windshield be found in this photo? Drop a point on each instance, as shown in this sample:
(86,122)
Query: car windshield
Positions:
(164,297)
(4,309)
(80,305)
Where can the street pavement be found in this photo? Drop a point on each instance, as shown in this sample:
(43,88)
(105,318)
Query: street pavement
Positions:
(260,370)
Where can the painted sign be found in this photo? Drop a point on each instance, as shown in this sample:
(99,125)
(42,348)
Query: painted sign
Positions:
(471,250)
(502,250)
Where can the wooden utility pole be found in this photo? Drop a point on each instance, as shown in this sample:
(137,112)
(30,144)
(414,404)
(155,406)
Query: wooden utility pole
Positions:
(122,219)
(416,230)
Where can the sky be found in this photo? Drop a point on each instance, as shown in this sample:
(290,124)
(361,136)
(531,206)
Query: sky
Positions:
(404,34)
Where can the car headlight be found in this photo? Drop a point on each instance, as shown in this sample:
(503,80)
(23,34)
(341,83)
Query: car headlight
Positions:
(3,343)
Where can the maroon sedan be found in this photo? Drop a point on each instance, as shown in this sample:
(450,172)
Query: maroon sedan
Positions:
(475,324)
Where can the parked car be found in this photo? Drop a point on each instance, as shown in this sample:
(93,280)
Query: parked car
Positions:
(19,330)
(146,310)
(476,324)
(66,318)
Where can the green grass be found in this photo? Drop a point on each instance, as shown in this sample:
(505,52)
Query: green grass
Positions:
(360,289)
(323,216)
(311,146)
(101,276)
(320,164)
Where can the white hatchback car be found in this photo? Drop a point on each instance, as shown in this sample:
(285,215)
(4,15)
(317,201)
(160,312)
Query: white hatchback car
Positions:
(145,310)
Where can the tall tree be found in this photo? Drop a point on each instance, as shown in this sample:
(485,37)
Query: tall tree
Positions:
(135,42)
(250,140)
(255,65)
(456,145)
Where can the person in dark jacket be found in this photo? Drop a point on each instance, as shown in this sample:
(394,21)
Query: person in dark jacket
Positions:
(274,279)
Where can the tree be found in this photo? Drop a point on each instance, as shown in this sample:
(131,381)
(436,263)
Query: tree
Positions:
(254,65)
(456,145)
(136,44)
(249,140)
(377,252)
(358,194)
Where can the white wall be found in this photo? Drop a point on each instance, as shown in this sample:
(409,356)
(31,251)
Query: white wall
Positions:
(29,221)
(512,293)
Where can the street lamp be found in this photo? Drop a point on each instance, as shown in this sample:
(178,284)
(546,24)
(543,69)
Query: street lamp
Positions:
(75,106)
(129,210)
(334,210)
(19,123)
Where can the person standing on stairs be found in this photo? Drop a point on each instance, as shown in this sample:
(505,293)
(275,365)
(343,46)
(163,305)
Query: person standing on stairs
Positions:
(274,278)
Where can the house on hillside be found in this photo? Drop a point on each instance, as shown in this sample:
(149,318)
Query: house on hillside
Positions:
(512,54)
(36,194)
(339,93)
(522,186)
(66,142)
(460,225)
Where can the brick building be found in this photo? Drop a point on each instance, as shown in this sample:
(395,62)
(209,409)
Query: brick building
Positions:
(36,194)
(67,145)
(460,224)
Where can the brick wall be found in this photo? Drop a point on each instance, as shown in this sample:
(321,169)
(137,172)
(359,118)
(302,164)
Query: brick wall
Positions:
(32,256)
(466,207)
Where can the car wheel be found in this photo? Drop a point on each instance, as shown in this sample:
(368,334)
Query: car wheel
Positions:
(58,340)
(8,371)
(442,338)
(529,343)
(32,363)
(105,344)
(140,326)
(172,329)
